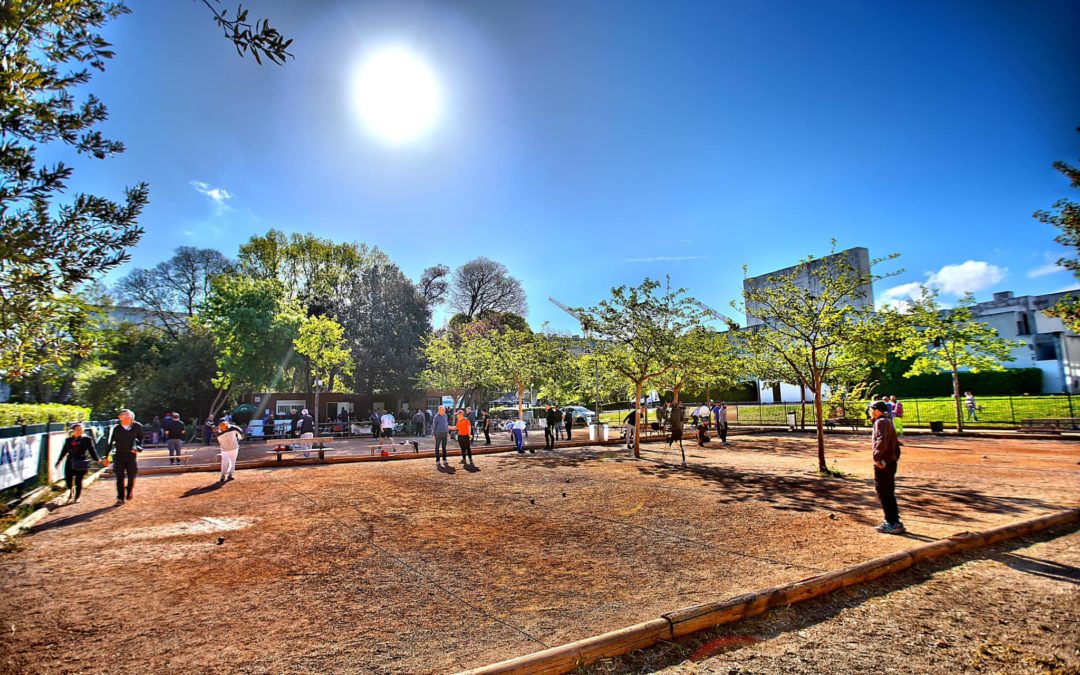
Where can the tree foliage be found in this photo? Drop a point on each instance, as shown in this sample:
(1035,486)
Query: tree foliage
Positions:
(258,39)
(458,361)
(253,324)
(638,331)
(322,341)
(1066,217)
(701,358)
(483,285)
(48,248)
(385,322)
(946,340)
(433,285)
(814,323)
(174,289)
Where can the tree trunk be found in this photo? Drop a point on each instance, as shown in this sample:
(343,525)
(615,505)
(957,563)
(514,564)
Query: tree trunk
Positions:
(675,394)
(521,400)
(956,400)
(637,422)
(820,423)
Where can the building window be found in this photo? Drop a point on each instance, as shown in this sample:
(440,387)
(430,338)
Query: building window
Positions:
(284,408)
(1045,351)
(1023,324)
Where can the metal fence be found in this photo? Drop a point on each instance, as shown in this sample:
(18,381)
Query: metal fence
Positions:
(97,430)
(992,412)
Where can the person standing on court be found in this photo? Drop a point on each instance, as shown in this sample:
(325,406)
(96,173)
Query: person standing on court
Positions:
(440,429)
(376,425)
(306,429)
(208,430)
(720,413)
(174,436)
(386,423)
(549,427)
(464,437)
(125,442)
(972,407)
(418,423)
(78,449)
(229,437)
(886,455)
(631,428)
(568,420)
(485,426)
(897,415)
(294,423)
(558,423)
(518,431)
(470,415)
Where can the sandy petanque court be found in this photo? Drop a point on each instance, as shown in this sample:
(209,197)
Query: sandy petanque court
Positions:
(400,567)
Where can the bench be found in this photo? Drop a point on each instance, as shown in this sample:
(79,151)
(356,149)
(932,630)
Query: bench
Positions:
(389,447)
(146,455)
(318,445)
(853,422)
(1054,425)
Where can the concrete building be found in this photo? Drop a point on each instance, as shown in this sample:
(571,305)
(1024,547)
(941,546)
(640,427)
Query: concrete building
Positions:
(1048,344)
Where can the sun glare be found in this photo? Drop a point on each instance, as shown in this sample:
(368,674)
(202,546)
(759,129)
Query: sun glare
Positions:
(397,96)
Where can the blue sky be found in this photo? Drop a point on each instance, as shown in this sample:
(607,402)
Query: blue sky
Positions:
(590,144)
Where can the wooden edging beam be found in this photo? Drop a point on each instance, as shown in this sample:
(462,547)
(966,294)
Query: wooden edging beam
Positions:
(567,657)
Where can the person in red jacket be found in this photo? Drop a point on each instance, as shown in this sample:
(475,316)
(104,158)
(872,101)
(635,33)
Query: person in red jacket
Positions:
(886,450)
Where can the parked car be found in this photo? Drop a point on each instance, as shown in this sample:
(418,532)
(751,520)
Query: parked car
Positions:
(582,415)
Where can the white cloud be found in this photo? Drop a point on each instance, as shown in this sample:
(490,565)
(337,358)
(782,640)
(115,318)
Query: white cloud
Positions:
(970,276)
(218,195)
(666,258)
(900,297)
(188,233)
(1050,266)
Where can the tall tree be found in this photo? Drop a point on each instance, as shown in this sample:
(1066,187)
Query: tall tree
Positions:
(703,357)
(1066,217)
(483,285)
(458,361)
(946,340)
(253,324)
(315,271)
(637,331)
(174,289)
(385,322)
(433,285)
(322,341)
(814,318)
(48,248)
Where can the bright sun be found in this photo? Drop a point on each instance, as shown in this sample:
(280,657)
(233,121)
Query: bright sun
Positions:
(397,95)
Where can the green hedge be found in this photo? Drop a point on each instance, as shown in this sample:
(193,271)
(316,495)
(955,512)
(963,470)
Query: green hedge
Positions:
(14,414)
(1001,383)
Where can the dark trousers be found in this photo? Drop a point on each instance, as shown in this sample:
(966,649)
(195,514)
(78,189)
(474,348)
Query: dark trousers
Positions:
(388,432)
(74,479)
(418,428)
(440,442)
(549,437)
(885,484)
(569,429)
(466,446)
(722,429)
(487,436)
(125,466)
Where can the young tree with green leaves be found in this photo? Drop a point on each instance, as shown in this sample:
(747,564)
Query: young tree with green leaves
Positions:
(813,320)
(1066,217)
(253,324)
(637,331)
(703,358)
(322,341)
(49,248)
(946,340)
(459,362)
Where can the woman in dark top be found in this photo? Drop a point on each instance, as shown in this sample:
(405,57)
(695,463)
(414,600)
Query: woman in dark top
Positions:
(77,450)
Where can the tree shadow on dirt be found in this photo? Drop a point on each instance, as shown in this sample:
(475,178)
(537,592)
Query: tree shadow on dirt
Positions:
(812,492)
(1040,567)
(206,489)
(71,520)
(802,616)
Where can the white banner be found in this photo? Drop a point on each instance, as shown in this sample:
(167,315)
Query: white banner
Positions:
(19,458)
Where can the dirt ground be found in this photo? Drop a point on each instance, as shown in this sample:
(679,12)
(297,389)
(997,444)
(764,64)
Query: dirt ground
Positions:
(399,567)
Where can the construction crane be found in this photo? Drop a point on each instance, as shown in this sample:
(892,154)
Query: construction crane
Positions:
(732,324)
(592,344)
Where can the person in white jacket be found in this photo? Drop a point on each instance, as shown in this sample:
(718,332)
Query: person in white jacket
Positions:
(229,437)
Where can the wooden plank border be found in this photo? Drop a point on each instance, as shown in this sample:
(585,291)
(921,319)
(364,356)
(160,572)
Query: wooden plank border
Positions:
(567,657)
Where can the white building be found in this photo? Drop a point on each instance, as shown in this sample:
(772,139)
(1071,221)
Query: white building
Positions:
(1048,344)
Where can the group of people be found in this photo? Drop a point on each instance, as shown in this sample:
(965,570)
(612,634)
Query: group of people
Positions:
(555,420)
(672,417)
(464,426)
(895,410)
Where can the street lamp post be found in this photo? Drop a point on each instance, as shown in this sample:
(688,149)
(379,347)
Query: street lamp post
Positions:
(318,383)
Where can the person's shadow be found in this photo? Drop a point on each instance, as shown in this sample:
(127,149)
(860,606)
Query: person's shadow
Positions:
(472,468)
(206,489)
(447,469)
(71,520)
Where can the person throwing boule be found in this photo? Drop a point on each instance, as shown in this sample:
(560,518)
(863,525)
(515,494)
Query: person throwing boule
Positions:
(229,437)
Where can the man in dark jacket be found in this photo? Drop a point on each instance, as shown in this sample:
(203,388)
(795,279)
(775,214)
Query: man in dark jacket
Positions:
(886,449)
(552,419)
(125,442)
(568,420)
(174,436)
(418,423)
(294,419)
(307,430)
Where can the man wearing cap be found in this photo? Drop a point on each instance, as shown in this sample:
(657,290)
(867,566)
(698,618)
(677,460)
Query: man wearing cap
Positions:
(229,437)
(886,451)
(307,429)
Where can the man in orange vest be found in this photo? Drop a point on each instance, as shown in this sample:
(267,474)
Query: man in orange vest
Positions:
(464,437)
